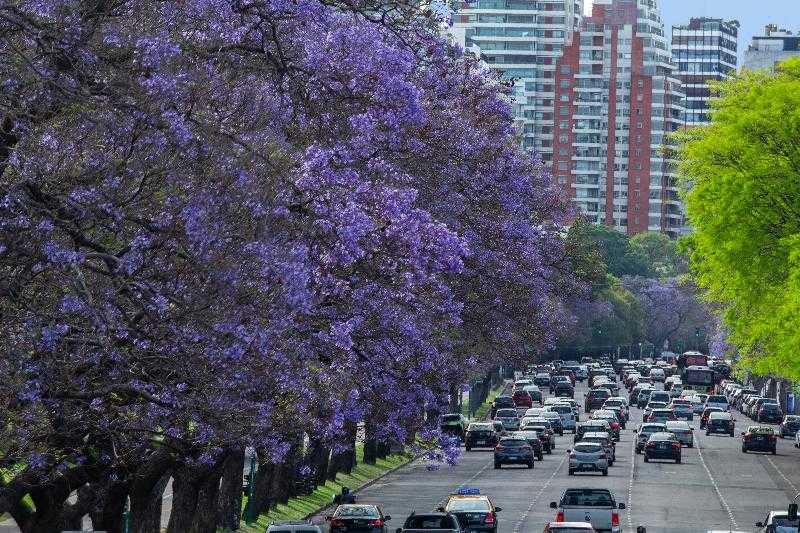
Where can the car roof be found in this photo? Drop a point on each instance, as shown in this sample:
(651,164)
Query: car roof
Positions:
(596,435)
(760,429)
(662,435)
(677,424)
(555,526)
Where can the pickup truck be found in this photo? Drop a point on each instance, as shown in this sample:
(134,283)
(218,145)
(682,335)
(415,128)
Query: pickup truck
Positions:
(430,523)
(596,506)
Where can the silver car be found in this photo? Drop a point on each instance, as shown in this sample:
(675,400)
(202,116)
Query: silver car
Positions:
(509,419)
(683,431)
(588,457)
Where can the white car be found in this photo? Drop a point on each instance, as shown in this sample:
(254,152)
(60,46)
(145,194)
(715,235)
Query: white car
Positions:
(658,374)
(566,414)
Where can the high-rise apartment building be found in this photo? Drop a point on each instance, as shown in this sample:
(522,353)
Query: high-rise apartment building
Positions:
(774,46)
(703,50)
(522,40)
(617,98)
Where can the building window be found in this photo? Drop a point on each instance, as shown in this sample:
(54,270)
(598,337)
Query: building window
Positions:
(640,83)
(639,125)
(562,179)
(566,69)
(563,151)
(562,165)
(564,97)
(565,84)
(639,97)
(564,125)
(563,111)
(563,138)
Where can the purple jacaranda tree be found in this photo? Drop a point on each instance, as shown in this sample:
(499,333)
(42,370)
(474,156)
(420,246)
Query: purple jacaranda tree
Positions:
(223,223)
(672,309)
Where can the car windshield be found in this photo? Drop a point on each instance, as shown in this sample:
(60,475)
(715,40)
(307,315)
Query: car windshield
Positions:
(507,413)
(512,442)
(346,511)
(451,418)
(587,498)
(430,522)
(480,427)
(462,504)
(588,447)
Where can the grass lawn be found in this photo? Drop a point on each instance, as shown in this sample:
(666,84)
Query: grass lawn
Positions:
(302,506)
(483,409)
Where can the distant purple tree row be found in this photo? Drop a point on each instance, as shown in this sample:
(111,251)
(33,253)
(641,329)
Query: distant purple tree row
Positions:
(230,223)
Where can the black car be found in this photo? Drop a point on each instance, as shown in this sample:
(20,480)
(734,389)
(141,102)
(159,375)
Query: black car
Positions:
(513,450)
(534,439)
(358,517)
(421,523)
(564,390)
(544,437)
(759,439)
(770,413)
(789,426)
(662,446)
(595,399)
(480,435)
(720,422)
(542,380)
(502,402)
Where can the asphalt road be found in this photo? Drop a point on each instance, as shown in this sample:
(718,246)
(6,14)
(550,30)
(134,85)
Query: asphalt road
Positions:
(715,487)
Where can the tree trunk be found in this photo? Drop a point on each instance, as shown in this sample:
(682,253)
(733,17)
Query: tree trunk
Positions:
(370,445)
(455,397)
(262,491)
(317,459)
(205,516)
(286,473)
(229,502)
(109,519)
(185,490)
(147,492)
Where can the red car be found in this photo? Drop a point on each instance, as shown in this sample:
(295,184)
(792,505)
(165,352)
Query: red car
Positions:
(522,399)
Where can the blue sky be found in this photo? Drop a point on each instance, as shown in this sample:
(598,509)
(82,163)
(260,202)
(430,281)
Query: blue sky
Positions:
(752,14)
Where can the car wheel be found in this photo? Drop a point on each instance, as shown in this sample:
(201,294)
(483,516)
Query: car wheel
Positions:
(678,461)
(731,433)
(708,433)
(691,445)
(744,450)
(549,451)
(530,463)
(605,472)
(638,451)
(646,459)
(468,448)
(540,456)
(611,463)
(774,451)
(497,466)
(571,472)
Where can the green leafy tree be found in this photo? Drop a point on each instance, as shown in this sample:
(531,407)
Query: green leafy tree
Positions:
(615,250)
(661,253)
(743,199)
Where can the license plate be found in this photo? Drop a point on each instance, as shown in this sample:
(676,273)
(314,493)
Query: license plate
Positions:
(481,442)
(587,467)
(663,445)
(513,457)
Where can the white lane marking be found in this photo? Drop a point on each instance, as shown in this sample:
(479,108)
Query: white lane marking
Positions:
(629,511)
(539,495)
(716,487)
(467,482)
(786,479)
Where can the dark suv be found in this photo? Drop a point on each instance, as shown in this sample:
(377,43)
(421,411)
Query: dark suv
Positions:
(502,402)
(564,390)
(513,450)
(720,422)
(480,435)
(770,413)
(595,399)
(662,446)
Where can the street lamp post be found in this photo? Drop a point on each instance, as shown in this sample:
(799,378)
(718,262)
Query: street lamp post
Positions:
(251,481)
(640,350)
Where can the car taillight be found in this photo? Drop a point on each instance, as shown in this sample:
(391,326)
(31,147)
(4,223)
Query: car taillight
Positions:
(614,519)
(572,456)
(603,456)
(499,448)
(651,445)
(525,447)
(747,435)
(773,437)
(335,522)
(676,444)
(375,523)
(489,519)
(560,516)
(614,425)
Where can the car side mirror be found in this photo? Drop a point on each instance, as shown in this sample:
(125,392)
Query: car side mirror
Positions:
(742,433)
(387,518)
(498,509)
(440,509)
(759,524)
(553,505)
(621,506)
(398,530)
(328,518)
(641,529)
(569,451)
